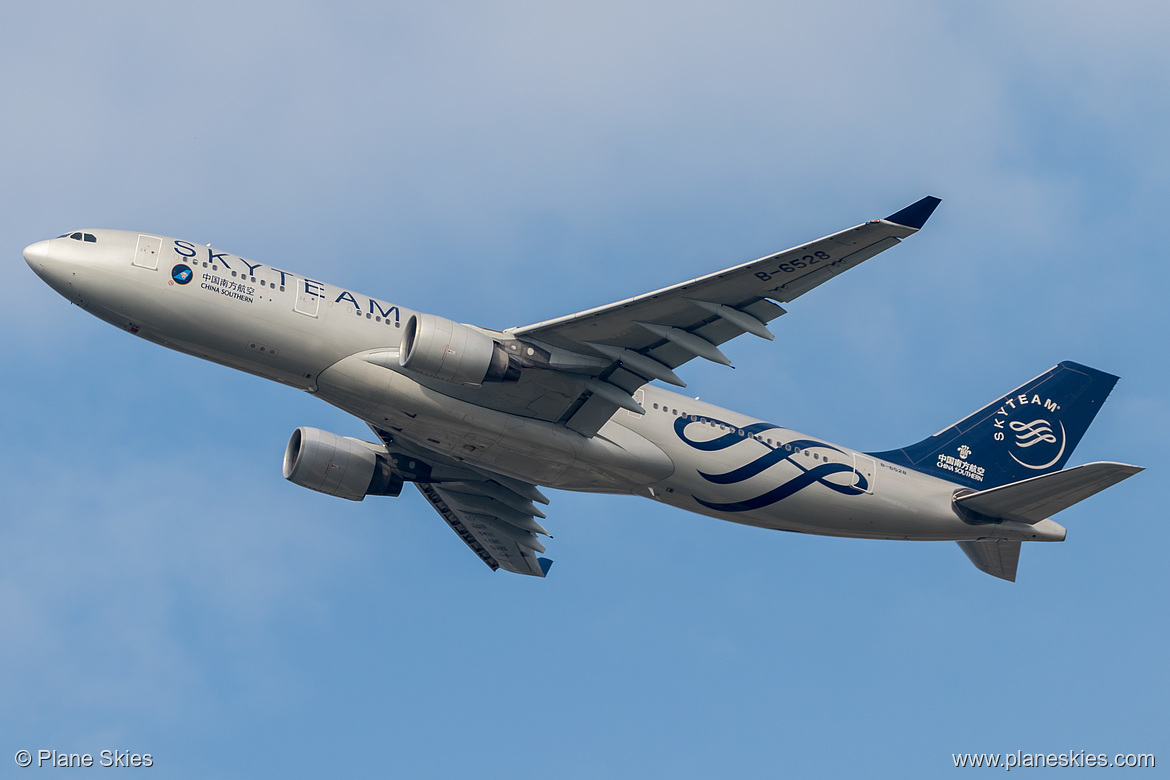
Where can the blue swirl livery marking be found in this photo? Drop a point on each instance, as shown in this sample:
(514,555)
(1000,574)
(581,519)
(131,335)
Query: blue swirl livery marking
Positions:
(774,456)
(182,274)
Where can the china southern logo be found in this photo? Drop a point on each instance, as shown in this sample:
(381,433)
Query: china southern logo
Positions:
(1035,443)
(181,274)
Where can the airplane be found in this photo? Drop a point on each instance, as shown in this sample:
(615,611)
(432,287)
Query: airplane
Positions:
(479,419)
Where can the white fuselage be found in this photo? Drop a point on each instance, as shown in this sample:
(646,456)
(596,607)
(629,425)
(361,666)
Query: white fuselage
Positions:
(311,335)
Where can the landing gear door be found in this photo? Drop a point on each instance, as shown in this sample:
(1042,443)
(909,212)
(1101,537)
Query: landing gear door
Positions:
(865,472)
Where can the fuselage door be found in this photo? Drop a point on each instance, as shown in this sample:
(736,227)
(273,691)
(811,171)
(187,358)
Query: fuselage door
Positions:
(866,470)
(146,253)
(308,301)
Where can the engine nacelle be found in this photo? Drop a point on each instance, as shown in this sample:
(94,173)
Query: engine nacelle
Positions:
(339,466)
(442,349)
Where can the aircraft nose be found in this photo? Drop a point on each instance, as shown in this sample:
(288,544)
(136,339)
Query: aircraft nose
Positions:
(36,255)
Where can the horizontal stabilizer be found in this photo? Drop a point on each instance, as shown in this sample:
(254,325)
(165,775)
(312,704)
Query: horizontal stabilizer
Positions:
(997,557)
(1032,500)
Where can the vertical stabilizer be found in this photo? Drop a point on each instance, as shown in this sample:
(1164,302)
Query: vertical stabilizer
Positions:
(1028,432)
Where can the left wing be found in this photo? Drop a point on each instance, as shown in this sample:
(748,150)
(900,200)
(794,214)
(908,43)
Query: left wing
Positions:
(578,370)
(647,337)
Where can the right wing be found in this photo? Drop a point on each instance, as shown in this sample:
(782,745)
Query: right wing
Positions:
(503,537)
(494,515)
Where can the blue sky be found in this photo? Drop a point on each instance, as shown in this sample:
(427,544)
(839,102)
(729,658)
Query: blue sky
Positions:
(164,590)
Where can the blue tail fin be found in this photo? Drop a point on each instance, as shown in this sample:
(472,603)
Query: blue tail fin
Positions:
(1028,432)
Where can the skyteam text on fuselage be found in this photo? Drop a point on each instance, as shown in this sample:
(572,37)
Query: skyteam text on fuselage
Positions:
(477,419)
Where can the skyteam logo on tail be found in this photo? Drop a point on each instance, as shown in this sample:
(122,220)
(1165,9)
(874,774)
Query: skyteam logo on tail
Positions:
(1027,424)
(1037,432)
(1023,434)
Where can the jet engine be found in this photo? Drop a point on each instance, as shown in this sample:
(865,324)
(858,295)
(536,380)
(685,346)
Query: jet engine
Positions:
(339,465)
(442,349)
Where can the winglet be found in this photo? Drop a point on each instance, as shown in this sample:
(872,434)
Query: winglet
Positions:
(916,214)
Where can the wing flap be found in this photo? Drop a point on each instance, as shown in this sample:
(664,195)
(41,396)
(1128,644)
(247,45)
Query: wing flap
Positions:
(596,410)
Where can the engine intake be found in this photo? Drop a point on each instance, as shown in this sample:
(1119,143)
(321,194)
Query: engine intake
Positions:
(442,349)
(339,466)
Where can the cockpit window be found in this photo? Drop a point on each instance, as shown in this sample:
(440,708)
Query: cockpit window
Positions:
(87,237)
(91,238)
